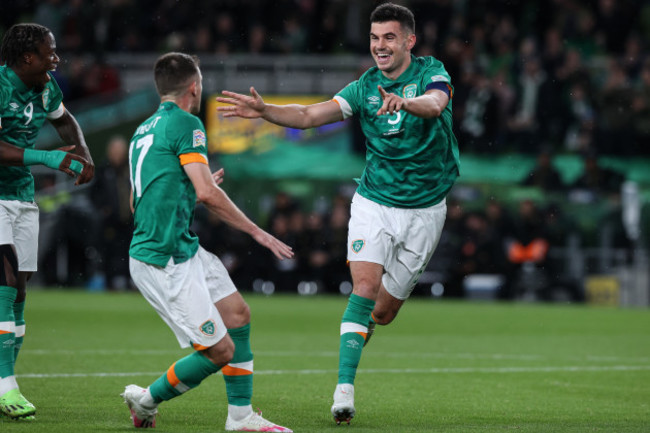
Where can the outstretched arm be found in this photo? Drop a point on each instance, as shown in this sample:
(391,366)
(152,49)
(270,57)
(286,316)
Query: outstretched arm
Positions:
(292,115)
(70,132)
(429,105)
(218,202)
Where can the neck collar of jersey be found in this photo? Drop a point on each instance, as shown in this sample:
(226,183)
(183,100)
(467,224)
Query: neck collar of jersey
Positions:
(168,105)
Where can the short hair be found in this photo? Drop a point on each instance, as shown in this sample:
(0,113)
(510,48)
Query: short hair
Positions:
(21,39)
(393,12)
(173,72)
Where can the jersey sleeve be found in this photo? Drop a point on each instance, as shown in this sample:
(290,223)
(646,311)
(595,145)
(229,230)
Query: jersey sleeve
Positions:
(189,140)
(436,77)
(348,99)
(54,106)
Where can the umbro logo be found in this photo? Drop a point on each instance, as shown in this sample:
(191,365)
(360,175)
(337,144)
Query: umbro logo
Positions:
(353,344)
(13,106)
(373,99)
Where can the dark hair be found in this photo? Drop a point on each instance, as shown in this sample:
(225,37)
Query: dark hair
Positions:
(173,71)
(393,12)
(21,39)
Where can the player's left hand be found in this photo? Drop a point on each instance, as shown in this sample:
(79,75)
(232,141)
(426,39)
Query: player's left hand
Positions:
(89,167)
(277,247)
(217,176)
(72,165)
(392,102)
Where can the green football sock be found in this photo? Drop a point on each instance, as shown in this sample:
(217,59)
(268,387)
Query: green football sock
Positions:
(19,316)
(183,375)
(354,327)
(238,374)
(7,328)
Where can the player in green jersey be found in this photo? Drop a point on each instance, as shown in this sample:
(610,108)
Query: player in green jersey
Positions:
(28,95)
(397,213)
(188,287)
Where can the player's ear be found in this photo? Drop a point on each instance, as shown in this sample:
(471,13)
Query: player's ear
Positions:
(27,58)
(194,88)
(411,41)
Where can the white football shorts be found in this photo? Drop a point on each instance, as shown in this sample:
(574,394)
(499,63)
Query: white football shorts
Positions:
(401,240)
(184,295)
(19,227)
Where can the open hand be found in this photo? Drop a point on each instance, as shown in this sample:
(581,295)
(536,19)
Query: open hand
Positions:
(277,247)
(248,107)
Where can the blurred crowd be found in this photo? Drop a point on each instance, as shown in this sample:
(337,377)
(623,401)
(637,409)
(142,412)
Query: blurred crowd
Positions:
(570,74)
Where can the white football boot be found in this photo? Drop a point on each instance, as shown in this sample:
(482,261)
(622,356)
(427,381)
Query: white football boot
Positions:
(343,407)
(142,415)
(254,422)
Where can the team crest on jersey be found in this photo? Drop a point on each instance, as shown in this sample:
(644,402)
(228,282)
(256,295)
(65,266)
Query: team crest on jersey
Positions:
(198,138)
(208,328)
(410,90)
(13,106)
(46,97)
(357,245)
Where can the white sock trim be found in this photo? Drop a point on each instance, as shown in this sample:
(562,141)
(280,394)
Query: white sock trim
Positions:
(7,384)
(238,413)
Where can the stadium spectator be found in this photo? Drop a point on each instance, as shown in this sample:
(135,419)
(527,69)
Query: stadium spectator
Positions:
(110,194)
(479,124)
(404,183)
(197,299)
(641,112)
(527,253)
(544,175)
(525,122)
(614,134)
(597,179)
(581,120)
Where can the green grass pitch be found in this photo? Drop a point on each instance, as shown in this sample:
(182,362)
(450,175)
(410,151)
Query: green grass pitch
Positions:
(440,367)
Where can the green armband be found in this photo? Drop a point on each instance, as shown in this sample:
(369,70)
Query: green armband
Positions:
(48,158)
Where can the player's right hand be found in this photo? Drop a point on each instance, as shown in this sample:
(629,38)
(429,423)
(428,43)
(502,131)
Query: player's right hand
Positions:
(248,107)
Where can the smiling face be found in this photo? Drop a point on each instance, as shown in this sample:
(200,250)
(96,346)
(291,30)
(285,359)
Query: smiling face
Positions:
(39,63)
(390,46)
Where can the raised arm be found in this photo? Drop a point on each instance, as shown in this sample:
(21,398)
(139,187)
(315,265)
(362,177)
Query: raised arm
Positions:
(429,105)
(292,115)
(70,132)
(218,202)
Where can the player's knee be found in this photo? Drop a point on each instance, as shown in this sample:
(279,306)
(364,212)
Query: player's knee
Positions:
(222,352)
(9,266)
(384,317)
(366,288)
(243,314)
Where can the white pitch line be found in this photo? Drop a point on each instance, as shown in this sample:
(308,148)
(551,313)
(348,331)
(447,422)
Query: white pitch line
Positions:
(459,370)
(335,354)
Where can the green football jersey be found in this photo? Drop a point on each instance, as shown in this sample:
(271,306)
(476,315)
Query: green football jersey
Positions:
(163,195)
(22,114)
(411,162)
